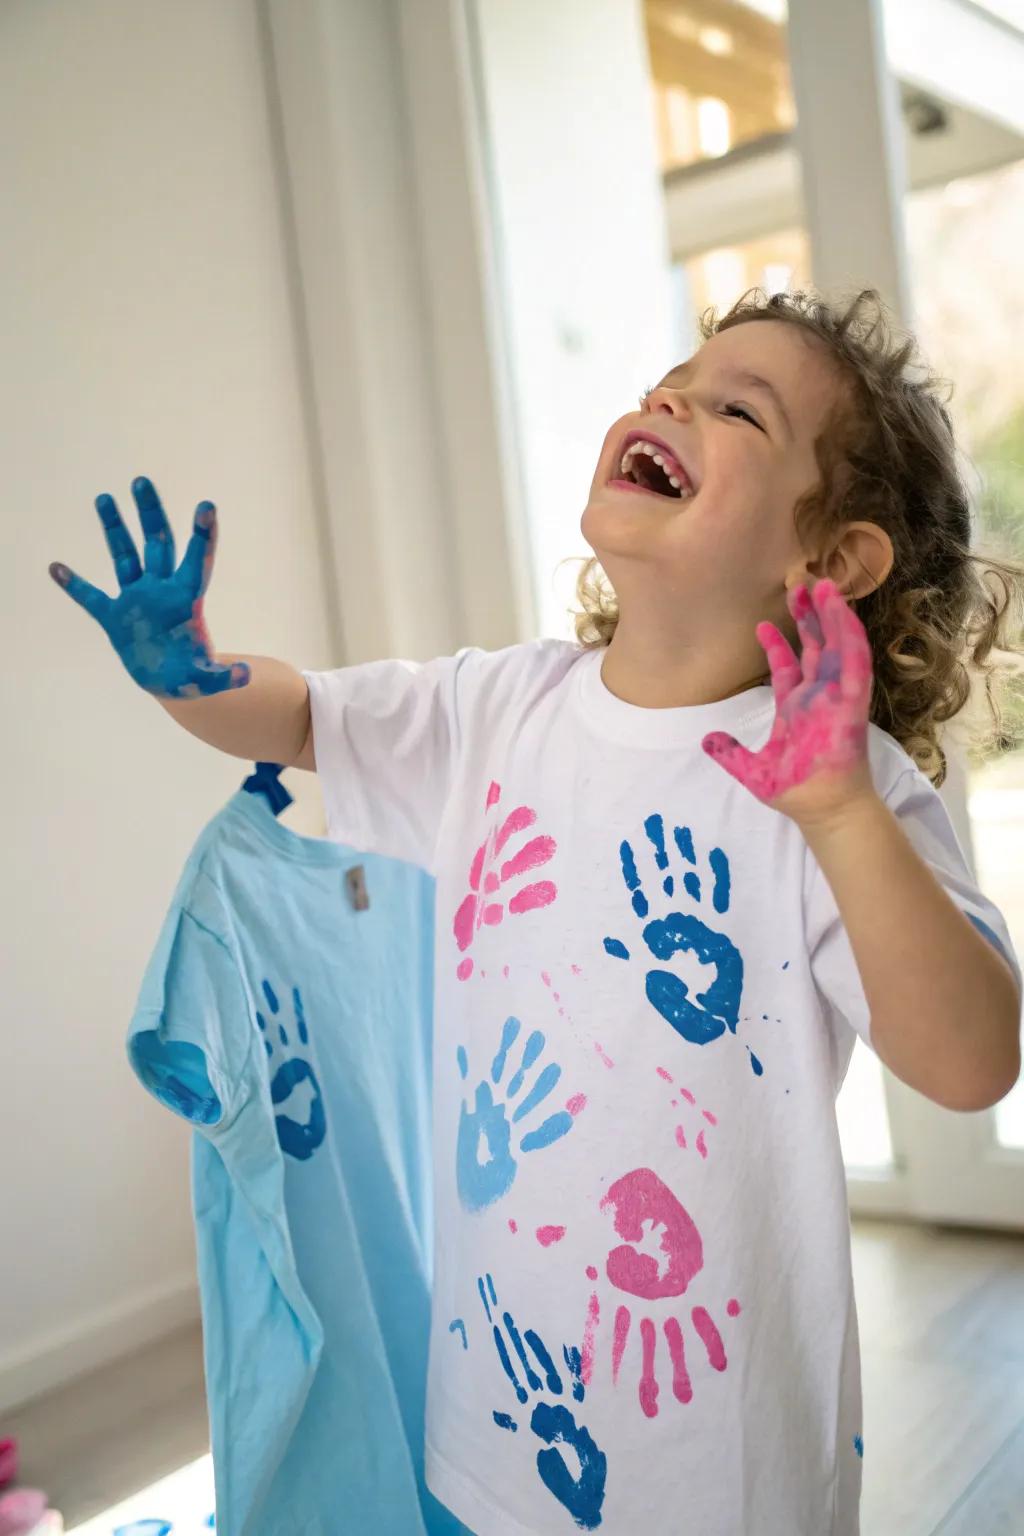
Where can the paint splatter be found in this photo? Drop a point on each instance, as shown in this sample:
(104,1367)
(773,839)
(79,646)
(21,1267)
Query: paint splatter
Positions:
(858,1445)
(548,1235)
(458,1326)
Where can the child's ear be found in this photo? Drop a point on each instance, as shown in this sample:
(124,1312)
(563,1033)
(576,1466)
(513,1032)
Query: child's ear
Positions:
(859,562)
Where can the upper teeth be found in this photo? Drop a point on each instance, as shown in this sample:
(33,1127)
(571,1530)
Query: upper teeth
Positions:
(660,458)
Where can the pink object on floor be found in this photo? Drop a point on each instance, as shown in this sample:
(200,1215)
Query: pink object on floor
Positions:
(21,1510)
(8,1461)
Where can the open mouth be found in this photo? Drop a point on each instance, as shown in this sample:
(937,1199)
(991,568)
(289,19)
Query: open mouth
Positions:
(647,464)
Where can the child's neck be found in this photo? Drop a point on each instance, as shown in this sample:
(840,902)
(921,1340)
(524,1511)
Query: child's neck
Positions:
(642,669)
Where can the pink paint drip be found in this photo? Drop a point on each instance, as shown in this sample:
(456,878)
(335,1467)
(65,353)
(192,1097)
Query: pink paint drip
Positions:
(648,1383)
(620,1334)
(688,1096)
(680,1137)
(548,1235)
(710,1337)
(591,1272)
(576,1104)
(733,1307)
(606,1059)
(512,1226)
(682,1389)
(662,1073)
(701,1144)
(589,1330)
(474,911)
(709,1117)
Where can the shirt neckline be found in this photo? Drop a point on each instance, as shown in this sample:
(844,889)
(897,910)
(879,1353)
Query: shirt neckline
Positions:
(635,726)
(254,810)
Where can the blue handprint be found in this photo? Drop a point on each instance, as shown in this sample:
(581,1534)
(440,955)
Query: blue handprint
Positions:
(299,1138)
(156,624)
(479,1183)
(554,1423)
(717,1008)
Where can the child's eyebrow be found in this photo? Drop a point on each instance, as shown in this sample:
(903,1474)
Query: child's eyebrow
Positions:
(742,376)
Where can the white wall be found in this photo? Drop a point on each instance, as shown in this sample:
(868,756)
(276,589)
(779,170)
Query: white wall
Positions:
(147,329)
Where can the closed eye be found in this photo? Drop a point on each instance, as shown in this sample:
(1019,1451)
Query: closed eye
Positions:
(739,411)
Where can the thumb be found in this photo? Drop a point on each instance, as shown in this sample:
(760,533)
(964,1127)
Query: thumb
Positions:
(732,756)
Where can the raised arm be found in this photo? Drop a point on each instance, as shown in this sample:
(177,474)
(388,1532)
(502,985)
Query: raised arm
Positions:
(252,707)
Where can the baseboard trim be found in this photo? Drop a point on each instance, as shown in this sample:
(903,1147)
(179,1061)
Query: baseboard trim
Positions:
(101,1336)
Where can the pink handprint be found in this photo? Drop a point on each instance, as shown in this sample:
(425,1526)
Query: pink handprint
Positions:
(816,755)
(486,881)
(640,1199)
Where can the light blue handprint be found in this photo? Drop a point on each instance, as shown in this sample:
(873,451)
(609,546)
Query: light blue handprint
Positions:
(489,1122)
(707,1016)
(156,624)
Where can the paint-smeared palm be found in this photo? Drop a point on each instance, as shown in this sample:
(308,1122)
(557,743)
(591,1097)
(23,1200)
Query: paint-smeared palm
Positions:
(156,625)
(816,756)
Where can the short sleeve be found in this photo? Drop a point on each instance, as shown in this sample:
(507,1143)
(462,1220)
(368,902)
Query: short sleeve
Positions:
(187,1042)
(925,820)
(385,738)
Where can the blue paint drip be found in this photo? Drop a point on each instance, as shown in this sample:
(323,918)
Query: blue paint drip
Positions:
(458,1326)
(632,879)
(483,1298)
(574,1360)
(145,1528)
(271,997)
(506,1364)
(532,1049)
(668,885)
(490,1287)
(786,965)
(505,1421)
(720,869)
(654,826)
(684,842)
(547,1365)
(758,1068)
(858,1445)
(463,1061)
(300,1017)
(533,1380)
(617,948)
(508,1034)
(692,884)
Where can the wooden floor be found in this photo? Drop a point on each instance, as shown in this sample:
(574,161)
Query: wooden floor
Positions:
(942,1338)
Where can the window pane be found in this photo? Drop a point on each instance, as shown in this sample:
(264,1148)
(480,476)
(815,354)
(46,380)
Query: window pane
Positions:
(720,76)
(862,1114)
(963,241)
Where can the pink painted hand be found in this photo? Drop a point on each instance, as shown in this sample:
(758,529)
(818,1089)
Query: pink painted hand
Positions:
(816,758)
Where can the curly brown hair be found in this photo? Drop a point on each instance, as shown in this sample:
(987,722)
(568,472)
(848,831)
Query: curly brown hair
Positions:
(947,617)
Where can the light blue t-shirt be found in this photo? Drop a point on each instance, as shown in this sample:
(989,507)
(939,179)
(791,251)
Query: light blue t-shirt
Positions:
(294,1031)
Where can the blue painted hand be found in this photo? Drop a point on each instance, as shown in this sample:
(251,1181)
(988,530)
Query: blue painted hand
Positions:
(156,623)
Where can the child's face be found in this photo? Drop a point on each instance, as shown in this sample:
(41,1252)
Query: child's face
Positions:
(732,538)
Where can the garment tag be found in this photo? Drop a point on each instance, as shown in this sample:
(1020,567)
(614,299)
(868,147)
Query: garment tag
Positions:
(355,881)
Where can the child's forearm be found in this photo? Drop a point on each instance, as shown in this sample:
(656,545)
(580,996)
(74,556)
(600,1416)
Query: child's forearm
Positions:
(945,1010)
(266,721)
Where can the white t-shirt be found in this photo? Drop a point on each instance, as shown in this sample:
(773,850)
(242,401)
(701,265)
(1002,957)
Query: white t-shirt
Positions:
(643,1314)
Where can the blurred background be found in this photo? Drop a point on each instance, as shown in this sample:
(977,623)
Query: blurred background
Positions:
(375,276)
